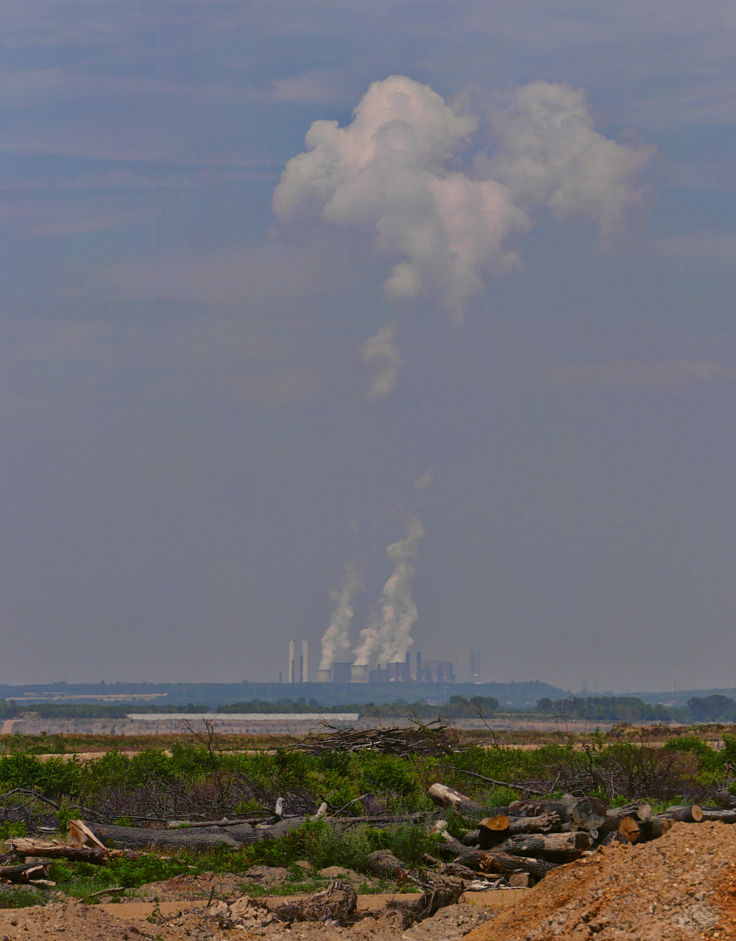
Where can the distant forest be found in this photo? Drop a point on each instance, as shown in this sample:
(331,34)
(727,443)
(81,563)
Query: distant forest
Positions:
(713,708)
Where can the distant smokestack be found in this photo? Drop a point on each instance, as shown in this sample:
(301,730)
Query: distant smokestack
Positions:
(292,659)
(323,676)
(305,662)
(358,673)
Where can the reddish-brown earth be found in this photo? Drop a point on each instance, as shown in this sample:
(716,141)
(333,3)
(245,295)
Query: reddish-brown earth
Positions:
(681,887)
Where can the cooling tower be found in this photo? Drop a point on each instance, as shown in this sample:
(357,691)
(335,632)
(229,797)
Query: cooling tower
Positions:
(358,674)
(323,676)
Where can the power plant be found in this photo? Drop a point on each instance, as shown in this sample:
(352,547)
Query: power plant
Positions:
(398,671)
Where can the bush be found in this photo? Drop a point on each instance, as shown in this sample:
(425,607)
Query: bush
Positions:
(12,896)
(322,845)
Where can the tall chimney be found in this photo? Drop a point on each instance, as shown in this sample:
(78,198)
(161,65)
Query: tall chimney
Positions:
(305,662)
(292,659)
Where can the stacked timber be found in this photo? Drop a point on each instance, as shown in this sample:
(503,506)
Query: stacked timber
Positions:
(519,844)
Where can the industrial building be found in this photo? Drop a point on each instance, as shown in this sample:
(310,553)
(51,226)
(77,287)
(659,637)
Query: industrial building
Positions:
(400,671)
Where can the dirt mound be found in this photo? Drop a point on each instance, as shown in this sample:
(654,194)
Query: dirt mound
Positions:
(68,920)
(449,924)
(219,885)
(678,888)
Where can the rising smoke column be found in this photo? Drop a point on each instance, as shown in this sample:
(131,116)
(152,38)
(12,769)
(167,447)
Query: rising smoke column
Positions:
(387,637)
(405,172)
(336,638)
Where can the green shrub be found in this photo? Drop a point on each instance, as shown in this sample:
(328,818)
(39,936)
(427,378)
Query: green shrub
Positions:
(12,896)
(8,830)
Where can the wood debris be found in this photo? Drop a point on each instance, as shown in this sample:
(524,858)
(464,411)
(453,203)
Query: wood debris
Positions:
(434,738)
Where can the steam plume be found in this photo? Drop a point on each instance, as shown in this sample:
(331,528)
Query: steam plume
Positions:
(387,637)
(336,638)
(395,174)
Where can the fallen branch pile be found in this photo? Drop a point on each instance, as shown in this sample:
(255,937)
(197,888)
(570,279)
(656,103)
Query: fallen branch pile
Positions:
(434,738)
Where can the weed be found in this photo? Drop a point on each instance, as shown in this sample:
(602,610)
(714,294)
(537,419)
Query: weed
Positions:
(9,829)
(21,896)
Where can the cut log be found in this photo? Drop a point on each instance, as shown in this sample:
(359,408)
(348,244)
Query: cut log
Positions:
(614,837)
(471,838)
(654,827)
(629,828)
(724,816)
(492,831)
(449,797)
(589,813)
(497,861)
(224,822)
(23,872)
(477,860)
(459,871)
(639,810)
(585,813)
(567,845)
(146,837)
(195,837)
(449,847)
(543,823)
(687,813)
(53,849)
(506,863)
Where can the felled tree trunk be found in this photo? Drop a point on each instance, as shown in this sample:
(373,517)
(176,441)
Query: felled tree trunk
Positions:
(566,845)
(724,816)
(494,830)
(639,810)
(23,871)
(498,861)
(195,837)
(26,846)
(654,827)
(583,813)
(688,813)
(449,797)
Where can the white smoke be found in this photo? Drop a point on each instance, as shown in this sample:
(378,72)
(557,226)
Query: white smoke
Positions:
(336,638)
(395,173)
(550,154)
(387,637)
(382,352)
(387,172)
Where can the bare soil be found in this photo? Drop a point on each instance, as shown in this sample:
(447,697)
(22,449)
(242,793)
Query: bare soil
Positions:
(681,887)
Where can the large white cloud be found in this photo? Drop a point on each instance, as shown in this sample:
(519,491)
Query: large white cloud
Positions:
(401,174)
(550,154)
(389,171)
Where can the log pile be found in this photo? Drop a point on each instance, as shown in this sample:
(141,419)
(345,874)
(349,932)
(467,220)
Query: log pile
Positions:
(519,844)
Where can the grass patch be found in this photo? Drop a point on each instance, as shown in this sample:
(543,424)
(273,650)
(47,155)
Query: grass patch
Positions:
(12,896)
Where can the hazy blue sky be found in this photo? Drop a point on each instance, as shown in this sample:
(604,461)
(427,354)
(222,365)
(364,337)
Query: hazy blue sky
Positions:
(500,302)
